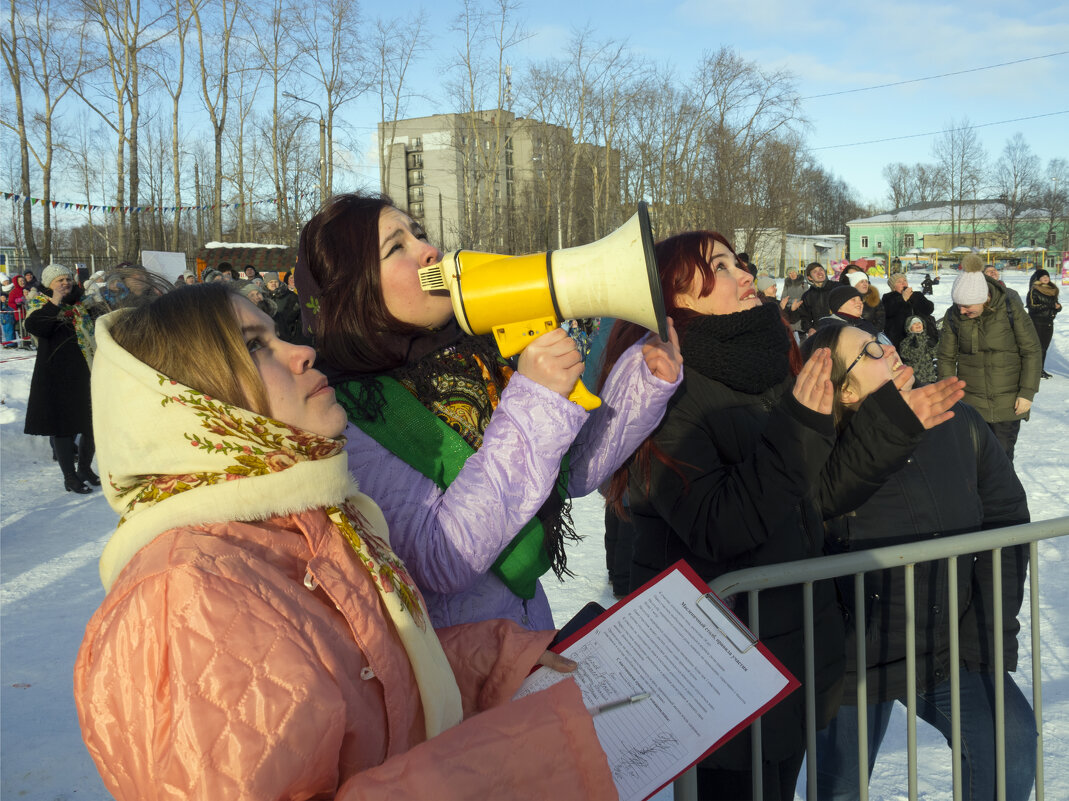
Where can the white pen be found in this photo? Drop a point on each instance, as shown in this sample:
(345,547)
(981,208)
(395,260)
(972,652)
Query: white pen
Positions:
(634,699)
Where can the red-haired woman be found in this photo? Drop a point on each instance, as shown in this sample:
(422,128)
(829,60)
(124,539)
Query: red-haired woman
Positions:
(744,468)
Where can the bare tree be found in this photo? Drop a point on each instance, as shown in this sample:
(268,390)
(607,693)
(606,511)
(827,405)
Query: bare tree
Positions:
(1055,199)
(909,184)
(52,54)
(480,89)
(1017,185)
(748,108)
(269,36)
(961,161)
(328,37)
(215,89)
(171,75)
(9,47)
(248,77)
(123,37)
(393,64)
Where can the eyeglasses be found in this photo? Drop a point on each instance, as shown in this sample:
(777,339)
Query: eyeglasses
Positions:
(874,349)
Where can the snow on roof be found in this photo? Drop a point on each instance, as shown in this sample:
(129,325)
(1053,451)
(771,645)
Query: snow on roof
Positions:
(940,212)
(242,245)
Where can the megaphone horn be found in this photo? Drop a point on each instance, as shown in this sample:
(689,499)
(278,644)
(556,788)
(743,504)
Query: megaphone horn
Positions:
(518,298)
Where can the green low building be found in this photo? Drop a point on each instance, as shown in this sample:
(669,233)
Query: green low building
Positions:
(936,232)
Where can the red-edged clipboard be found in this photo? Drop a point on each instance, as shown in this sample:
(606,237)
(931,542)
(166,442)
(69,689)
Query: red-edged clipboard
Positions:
(724,627)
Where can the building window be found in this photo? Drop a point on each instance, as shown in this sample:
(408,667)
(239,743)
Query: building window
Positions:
(1051,237)
(907,240)
(415,209)
(864,241)
(1031,243)
(879,246)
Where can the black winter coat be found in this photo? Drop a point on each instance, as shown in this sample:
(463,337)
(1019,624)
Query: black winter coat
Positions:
(1043,303)
(815,304)
(58,404)
(759,474)
(897,310)
(958,480)
(287,314)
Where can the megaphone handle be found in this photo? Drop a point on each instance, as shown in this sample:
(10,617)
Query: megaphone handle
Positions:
(584,397)
(511,338)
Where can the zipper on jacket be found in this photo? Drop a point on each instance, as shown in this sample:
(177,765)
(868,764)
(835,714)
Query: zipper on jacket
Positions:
(367,674)
(310,580)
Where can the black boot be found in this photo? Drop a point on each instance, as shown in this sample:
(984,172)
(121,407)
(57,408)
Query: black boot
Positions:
(74,484)
(86,449)
(64,447)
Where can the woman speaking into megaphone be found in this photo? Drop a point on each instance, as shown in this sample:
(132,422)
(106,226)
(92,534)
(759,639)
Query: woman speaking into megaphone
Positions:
(472,462)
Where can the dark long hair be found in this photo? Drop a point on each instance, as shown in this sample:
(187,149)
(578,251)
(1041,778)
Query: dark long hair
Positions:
(679,259)
(339,285)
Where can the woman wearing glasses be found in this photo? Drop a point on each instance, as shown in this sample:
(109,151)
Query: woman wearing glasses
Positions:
(744,468)
(958,480)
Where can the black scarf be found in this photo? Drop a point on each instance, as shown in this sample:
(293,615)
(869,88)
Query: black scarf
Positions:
(749,351)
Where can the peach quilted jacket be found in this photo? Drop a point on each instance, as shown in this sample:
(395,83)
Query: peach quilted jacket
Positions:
(254,661)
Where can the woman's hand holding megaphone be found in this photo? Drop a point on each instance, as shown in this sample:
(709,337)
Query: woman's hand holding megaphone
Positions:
(552,360)
(663,358)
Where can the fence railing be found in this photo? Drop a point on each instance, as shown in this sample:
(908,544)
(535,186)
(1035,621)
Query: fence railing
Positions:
(907,556)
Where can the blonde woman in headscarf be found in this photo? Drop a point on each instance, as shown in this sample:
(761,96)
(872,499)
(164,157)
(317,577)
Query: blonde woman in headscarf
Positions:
(259,638)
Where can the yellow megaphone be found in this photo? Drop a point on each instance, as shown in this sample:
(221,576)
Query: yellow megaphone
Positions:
(519,298)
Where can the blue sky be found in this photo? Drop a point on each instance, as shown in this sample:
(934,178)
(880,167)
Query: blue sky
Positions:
(833,47)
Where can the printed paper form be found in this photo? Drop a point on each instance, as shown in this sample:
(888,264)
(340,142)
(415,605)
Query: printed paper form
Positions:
(704,676)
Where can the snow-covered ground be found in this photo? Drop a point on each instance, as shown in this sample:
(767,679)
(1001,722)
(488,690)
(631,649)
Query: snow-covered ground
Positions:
(50,541)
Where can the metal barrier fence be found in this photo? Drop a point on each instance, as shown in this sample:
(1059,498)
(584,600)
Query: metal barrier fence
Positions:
(907,556)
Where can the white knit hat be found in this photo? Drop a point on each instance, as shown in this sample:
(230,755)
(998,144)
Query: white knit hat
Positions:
(54,271)
(856,278)
(970,288)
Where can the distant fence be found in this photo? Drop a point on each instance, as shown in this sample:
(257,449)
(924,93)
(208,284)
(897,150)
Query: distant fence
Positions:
(907,556)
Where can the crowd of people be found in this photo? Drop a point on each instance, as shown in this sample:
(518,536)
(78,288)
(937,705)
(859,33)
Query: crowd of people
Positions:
(337,509)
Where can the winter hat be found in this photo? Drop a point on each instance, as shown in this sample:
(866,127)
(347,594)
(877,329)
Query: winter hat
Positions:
(1039,274)
(210,275)
(763,283)
(913,319)
(840,295)
(246,288)
(970,287)
(54,271)
(856,278)
(4,280)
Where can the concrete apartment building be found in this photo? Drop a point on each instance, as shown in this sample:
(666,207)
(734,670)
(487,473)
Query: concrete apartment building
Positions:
(490,179)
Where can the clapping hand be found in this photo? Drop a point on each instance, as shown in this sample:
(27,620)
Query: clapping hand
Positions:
(932,402)
(663,358)
(813,387)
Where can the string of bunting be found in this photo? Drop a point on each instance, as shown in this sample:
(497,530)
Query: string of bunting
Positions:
(60,204)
